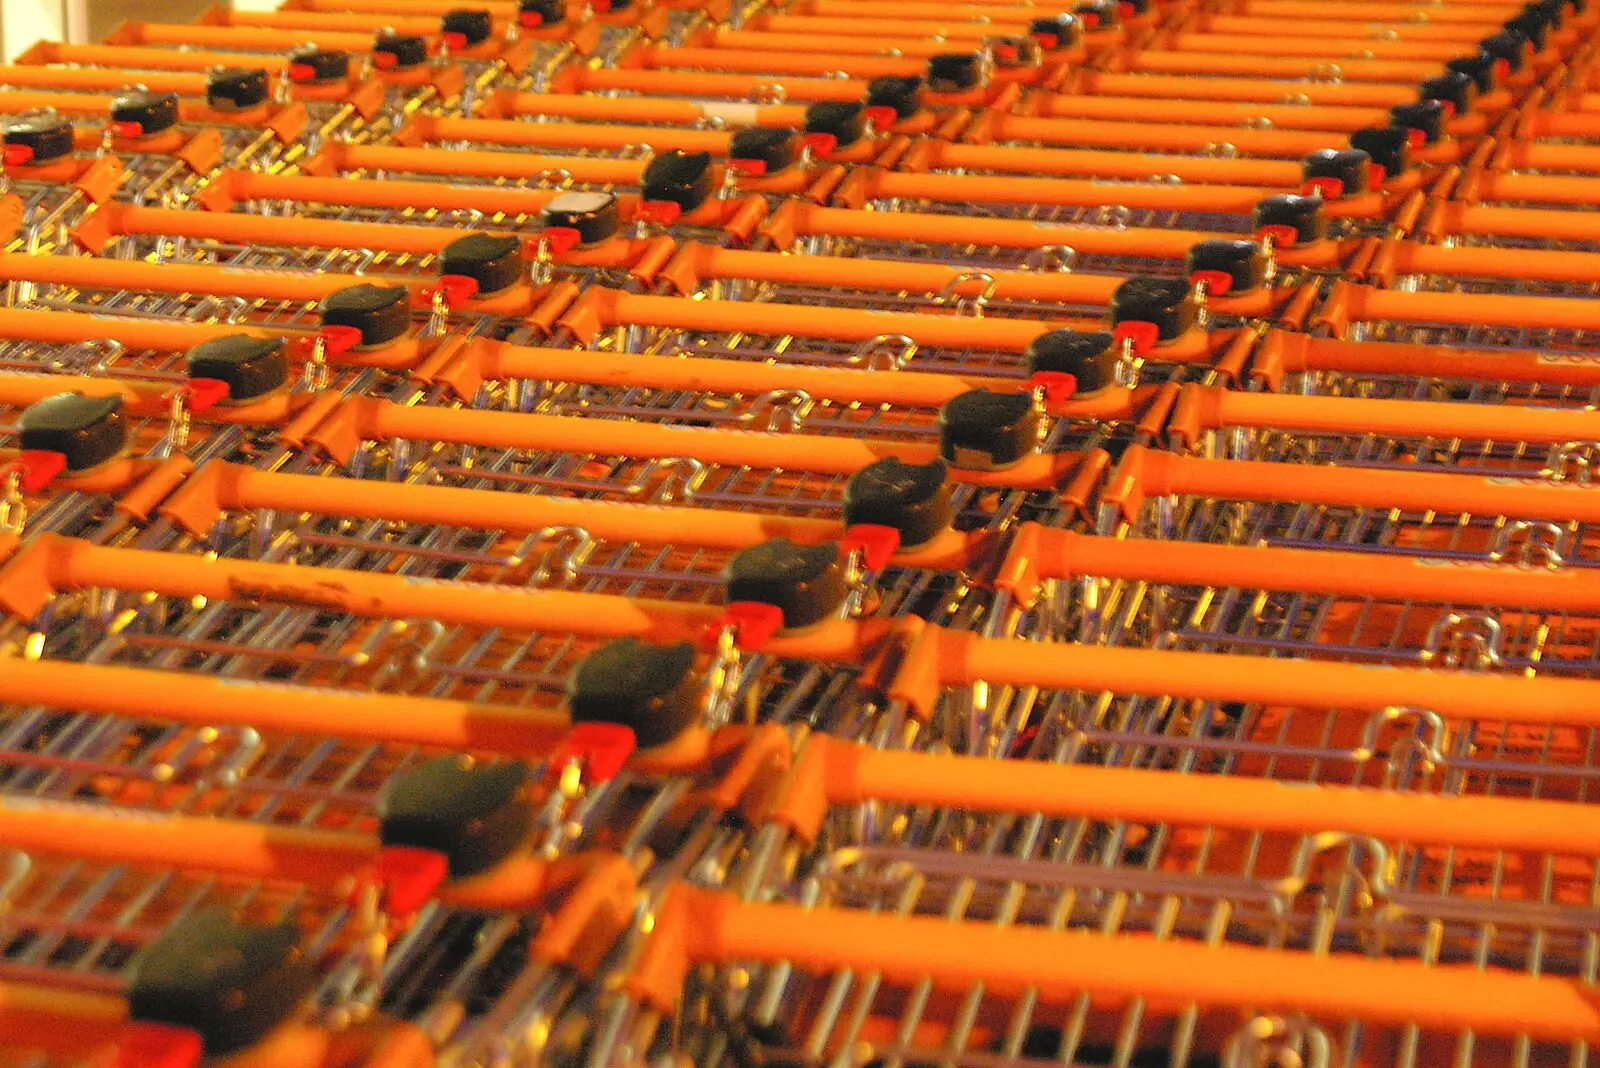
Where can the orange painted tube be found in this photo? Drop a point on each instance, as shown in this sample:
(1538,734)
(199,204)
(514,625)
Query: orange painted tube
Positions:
(738,448)
(852,44)
(841,324)
(1462,33)
(924,9)
(1458,218)
(238,848)
(211,700)
(125,219)
(607,108)
(1302,353)
(1016,233)
(1322,47)
(150,58)
(894,33)
(471,163)
(1402,418)
(342,21)
(1058,966)
(565,135)
(1145,109)
(860,774)
(388,193)
(102,79)
(1173,136)
(1250,90)
(406,7)
(1066,192)
(1479,309)
(695,83)
(1471,11)
(1251,177)
(166,335)
(1365,488)
(1545,156)
(1486,262)
(87,272)
(1538,188)
(778,63)
(1063,554)
(1364,70)
(241,38)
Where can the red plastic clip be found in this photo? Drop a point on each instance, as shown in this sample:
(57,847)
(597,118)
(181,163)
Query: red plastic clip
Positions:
(455,288)
(385,60)
(1449,107)
(455,41)
(338,339)
(1129,10)
(1330,188)
(1048,41)
(664,212)
(1376,175)
(753,168)
(156,1045)
(1091,19)
(38,468)
(1416,138)
(882,117)
(562,239)
(1058,386)
(820,144)
(203,393)
(17,155)
(876,542)
(601,748)
(1502,69)
(302,72)
(753,622)
(1143,335)
(1217,282)
(409,877)
(530,20)
(1282,236)
(1007,52)
(601,6)
(127,129)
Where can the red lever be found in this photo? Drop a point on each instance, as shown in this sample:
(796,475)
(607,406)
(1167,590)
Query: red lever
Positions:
(563,239)
(1006,52)
(1416,138)
(1330,188)
(820,143)
(339,339)
(456,41)
(601,748)
(409,877)
(530,20)
(882,117)
(204,393)
(1058,386)
(754,168)
(876,542)
(38,468)
(1217,282)
(155,1045)
(1143,335)
(17,155)
(127,129)
(1282,236)
(302,72)
(664,212)
(455,288)
(1048,41)
(385,60)
(753,623)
